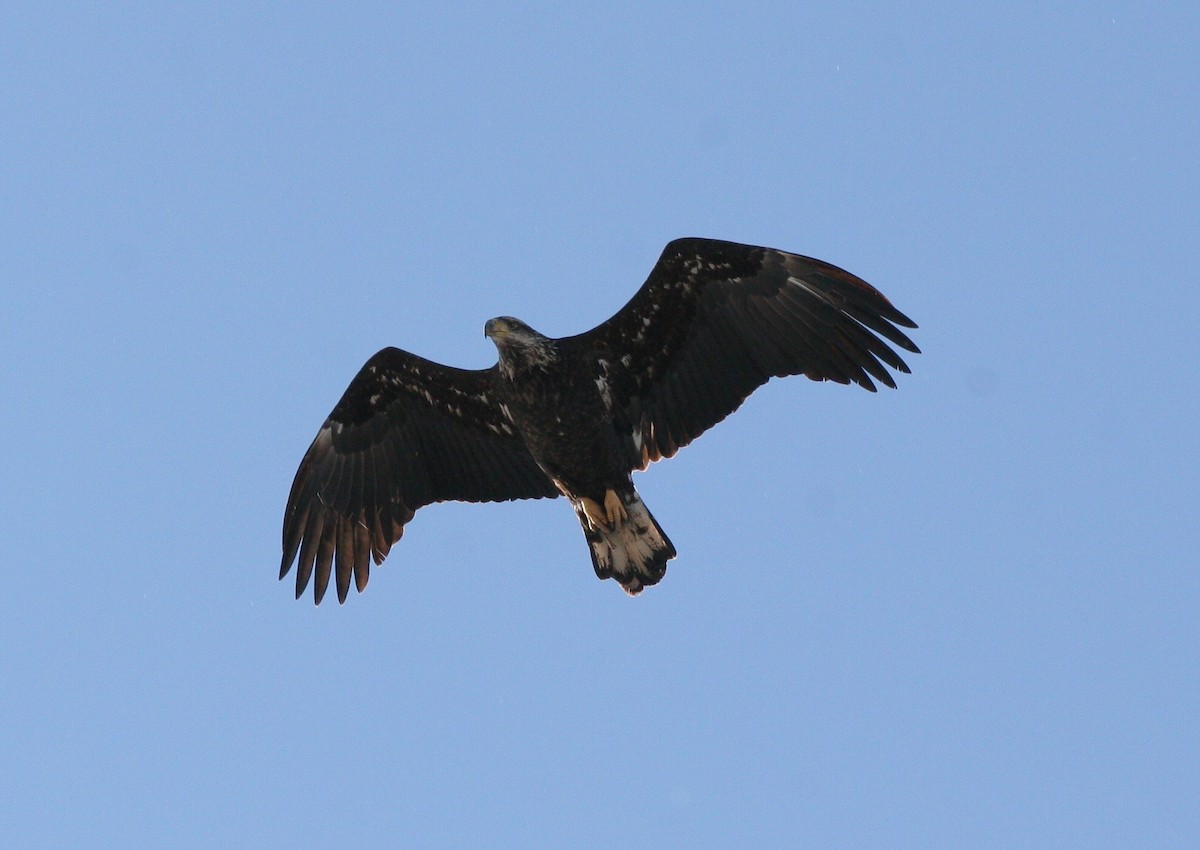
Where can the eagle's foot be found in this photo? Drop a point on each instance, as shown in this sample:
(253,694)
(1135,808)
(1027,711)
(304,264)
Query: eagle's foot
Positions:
(612,512)
(595,514)
(614,507)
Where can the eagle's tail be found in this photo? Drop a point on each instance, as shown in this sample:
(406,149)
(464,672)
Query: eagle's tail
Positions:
(633,550)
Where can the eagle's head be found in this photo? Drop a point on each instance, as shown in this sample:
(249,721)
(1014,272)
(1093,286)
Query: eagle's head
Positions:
(520,346)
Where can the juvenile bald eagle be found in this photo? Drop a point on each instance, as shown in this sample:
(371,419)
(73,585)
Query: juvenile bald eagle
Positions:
(578,415)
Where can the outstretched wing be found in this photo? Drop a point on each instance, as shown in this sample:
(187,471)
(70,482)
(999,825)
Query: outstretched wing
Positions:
(407,432)
(717,319)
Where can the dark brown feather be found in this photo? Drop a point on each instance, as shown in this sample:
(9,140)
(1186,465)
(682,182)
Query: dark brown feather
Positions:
(407,432)
(715,320)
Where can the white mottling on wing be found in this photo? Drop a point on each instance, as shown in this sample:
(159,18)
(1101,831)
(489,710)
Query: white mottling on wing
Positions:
(602,384)
(605,391)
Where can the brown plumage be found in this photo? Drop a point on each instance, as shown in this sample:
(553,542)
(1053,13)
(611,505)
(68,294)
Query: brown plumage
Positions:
(577,415)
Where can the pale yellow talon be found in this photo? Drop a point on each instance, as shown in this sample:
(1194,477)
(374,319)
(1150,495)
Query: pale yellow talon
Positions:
(614,507)
(607,516)
(595,514)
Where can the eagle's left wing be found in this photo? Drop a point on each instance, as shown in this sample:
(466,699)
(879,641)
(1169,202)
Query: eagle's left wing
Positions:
(407,432)
(717,319)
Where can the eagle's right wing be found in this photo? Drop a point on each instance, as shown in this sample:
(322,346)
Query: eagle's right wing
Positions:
(407,432)
(717,319)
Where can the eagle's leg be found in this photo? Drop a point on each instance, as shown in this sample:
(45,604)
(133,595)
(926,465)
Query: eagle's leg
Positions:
(614,507)
(607,516)
(595,514)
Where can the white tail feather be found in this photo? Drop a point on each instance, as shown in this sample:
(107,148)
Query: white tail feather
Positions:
(634,550)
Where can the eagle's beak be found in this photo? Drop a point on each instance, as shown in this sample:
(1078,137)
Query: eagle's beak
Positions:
(494,327)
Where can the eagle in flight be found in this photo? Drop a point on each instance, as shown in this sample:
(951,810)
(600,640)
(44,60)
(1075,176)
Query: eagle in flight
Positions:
(577,415)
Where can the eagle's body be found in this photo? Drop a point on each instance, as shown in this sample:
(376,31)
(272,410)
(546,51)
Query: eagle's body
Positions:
(577,415)
(536,379)
(555,398)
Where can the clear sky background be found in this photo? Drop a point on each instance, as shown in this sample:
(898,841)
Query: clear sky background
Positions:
(959,614)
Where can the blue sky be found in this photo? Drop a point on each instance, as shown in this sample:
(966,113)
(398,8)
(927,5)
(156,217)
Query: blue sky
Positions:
(958,614)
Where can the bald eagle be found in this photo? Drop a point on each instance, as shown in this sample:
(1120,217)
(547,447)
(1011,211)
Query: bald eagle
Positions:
(577,415)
